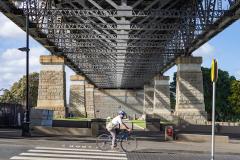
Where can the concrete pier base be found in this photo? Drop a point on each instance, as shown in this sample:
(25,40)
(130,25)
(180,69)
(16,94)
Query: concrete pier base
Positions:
(190,106)
(89,98)
(161,104)
(77,96)
(52,86)
(148,108)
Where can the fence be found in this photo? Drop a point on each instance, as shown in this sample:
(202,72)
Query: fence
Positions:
(11,115)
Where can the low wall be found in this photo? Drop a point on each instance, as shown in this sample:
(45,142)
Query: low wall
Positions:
(71,124)
(107,102)
(202,138)
(220,129)
(62,131)
(72,128)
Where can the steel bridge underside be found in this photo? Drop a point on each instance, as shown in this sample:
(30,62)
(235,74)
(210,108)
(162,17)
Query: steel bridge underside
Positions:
(122,43)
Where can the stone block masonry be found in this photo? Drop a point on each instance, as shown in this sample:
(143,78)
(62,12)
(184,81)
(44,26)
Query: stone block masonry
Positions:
(52,85)
(77,95)
(190,106)
(161,105)
(148,108)
(108,102)
(89,98)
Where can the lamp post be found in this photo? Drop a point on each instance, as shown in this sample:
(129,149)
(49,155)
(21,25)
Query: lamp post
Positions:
(26,122)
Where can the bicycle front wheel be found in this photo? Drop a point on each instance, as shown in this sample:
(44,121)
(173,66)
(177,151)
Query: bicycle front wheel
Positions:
(104,142)
(129,144)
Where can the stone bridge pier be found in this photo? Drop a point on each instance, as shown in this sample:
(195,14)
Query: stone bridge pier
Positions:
(77,96)
(161,103)
(52,85)
(153,101)
(157,98)
(81,101)
(148,100)
(190,106)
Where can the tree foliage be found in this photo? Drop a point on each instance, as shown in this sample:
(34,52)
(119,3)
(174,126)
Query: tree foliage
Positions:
(234,98)
(17,93)
(223,85)
(173,91)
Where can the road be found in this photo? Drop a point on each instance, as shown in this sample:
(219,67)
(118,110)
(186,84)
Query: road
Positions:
(70,149)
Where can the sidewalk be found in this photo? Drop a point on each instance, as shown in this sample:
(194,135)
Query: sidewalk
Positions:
(189,147)
(145,144)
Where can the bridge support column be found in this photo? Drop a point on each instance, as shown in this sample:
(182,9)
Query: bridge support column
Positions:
(162,108)
(89,98)
(52,86)
(148,100)
(77,95)
(190,106)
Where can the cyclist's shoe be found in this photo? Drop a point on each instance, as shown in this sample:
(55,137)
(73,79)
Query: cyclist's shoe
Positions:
(114,146)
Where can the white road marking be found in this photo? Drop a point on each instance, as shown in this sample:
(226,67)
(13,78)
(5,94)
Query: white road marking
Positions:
(73,149)
(79,152)
(51,153)
(73,156)
(45,158)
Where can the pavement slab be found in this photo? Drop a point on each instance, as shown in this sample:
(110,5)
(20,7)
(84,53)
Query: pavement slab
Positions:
(51,148)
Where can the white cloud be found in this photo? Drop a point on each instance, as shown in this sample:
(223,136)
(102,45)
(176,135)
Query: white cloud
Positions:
(170,73)
(35,53)
(11,54)
(14,57)
(205,50)
(8,76)
(13,63)
(237,75)
(8,29)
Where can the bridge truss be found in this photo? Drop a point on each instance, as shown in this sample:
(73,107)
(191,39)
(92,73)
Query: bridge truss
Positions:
(122,43)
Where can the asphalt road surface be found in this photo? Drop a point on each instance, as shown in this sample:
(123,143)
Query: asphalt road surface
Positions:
(21,149)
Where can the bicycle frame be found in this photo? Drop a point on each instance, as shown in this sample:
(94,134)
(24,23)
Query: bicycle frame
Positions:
(122,136)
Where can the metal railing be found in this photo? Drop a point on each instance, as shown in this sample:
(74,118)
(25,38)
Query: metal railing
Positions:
(11,115)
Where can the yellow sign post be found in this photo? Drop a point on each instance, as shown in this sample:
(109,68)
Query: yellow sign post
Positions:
(214,71)
(214,77)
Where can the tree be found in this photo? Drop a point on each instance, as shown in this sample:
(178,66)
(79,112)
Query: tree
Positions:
(223,107)
(17,93)
(8,97)
(173,91)
(234,98)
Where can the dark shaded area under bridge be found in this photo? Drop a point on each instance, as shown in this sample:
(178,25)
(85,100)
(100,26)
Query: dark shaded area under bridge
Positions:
(122,43)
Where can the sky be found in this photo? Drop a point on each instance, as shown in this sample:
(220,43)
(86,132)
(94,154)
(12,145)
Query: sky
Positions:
(225,47)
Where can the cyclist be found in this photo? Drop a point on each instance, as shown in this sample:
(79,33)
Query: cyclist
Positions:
(113,125)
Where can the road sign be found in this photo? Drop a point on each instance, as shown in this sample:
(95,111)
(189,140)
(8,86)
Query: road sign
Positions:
(214,76)
(214,71)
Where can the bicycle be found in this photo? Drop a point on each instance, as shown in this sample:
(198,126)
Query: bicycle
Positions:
(128,142)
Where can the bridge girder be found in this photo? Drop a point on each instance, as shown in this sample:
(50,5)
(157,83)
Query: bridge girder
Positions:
(122,44)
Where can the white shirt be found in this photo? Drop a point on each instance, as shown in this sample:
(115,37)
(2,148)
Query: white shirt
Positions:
(117,120)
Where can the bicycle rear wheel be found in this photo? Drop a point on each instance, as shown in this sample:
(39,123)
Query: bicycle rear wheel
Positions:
(129,144)
(104,142)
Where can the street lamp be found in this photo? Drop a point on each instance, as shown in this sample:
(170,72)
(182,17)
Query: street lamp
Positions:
(26,122)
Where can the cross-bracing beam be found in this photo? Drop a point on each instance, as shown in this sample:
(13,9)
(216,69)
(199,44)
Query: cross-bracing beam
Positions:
(109,39)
